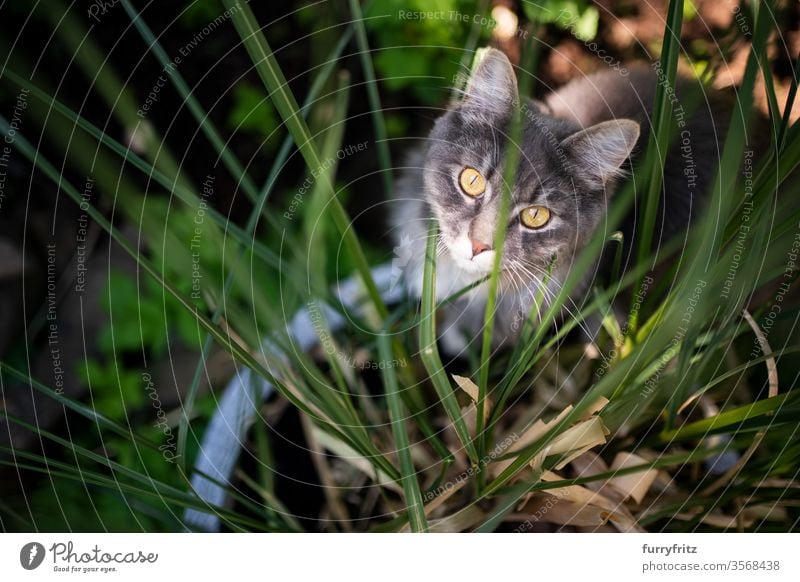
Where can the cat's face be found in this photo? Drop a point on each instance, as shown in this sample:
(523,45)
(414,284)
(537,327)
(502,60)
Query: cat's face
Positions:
(560,187)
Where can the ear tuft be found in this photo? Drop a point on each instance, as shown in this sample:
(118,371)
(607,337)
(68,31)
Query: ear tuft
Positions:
(492,86)
(600,150)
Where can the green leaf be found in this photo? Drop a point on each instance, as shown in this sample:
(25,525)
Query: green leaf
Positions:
(252,111)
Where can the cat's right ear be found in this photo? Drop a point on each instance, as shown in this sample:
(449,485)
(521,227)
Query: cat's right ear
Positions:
(492,87)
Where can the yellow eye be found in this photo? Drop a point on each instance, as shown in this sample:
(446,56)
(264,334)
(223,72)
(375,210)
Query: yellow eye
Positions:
(535,216)
(472,182)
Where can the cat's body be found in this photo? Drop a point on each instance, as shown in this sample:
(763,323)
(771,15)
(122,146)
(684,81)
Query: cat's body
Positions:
(574,147)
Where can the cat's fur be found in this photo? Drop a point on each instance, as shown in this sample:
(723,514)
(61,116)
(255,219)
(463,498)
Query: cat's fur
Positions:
(575,146)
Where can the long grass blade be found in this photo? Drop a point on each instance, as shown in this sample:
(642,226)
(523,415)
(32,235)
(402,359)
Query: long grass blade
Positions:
(284,101)
(429,352)
(397,415)
(378,122)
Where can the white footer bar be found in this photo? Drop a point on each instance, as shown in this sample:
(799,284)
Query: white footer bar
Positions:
(389,557)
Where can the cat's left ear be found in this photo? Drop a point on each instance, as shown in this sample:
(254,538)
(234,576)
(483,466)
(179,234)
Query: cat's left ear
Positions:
(599,151)
(492,86)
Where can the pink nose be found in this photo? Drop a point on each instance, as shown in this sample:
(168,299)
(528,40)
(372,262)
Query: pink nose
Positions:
(478,247)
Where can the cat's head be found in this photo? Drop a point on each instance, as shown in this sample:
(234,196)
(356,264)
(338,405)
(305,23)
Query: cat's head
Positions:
(562,183)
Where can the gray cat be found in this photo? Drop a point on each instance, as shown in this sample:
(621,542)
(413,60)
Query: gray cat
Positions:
(576,145)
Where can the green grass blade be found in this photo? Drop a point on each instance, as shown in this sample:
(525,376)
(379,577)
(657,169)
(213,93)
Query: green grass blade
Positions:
(732,417)
(89,413)
(513,154)
(260,206)
(659,137)
(270,72)
(378,122)
(104,80)
(397,415)
(788,106)
(429,352)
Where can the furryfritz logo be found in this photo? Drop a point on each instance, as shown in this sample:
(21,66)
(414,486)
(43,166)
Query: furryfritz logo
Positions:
(31,555)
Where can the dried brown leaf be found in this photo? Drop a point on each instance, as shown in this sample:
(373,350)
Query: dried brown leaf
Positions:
(633,485)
